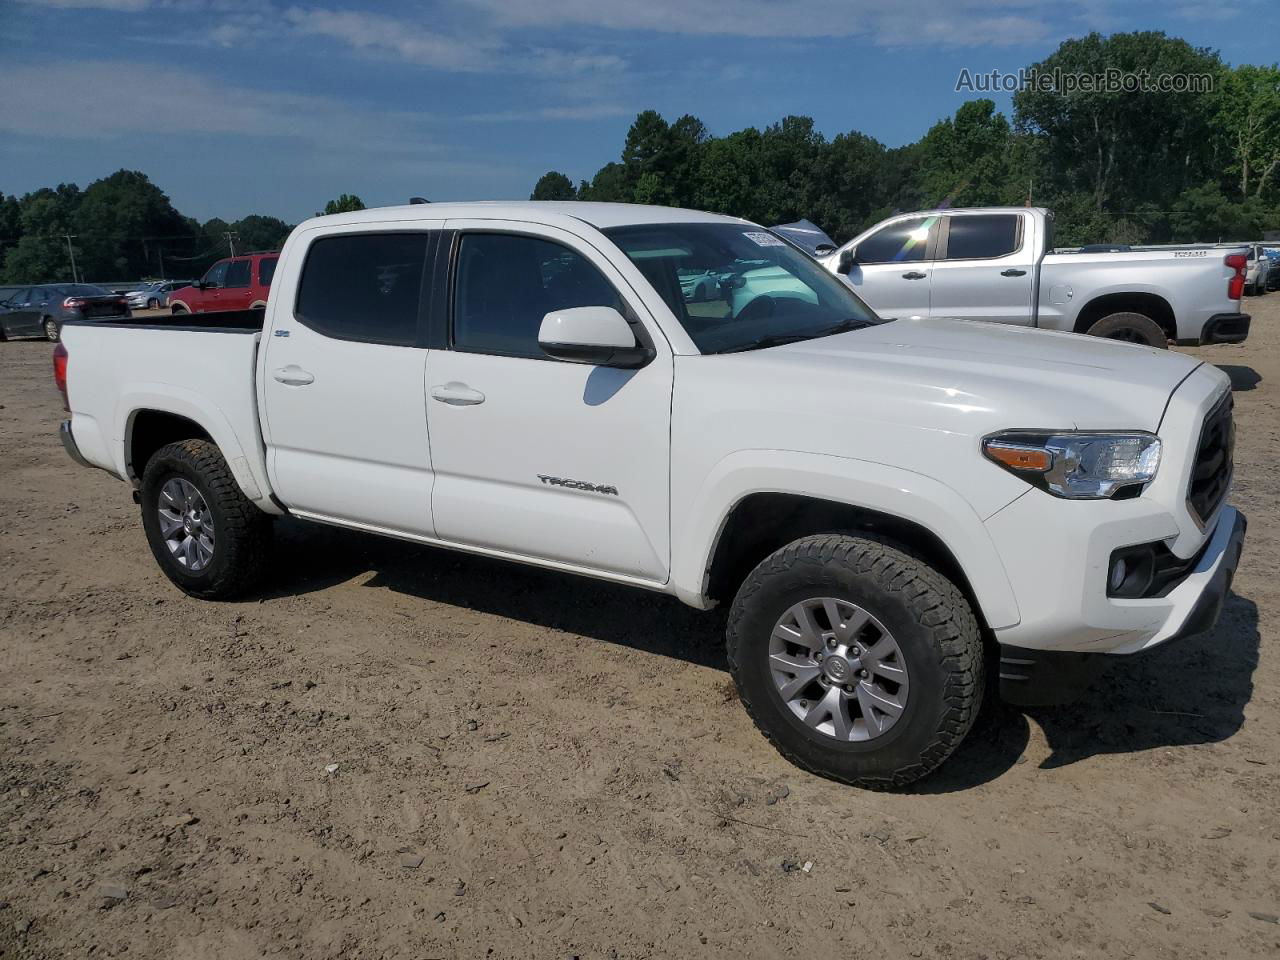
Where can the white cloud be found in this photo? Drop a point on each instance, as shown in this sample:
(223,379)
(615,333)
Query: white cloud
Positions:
(477,52)
(903,23)
(585,111)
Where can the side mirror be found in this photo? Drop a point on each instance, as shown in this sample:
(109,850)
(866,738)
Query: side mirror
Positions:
(597,335)
(847,259)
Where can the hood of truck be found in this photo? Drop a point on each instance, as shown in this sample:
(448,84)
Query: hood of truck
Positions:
(980,377)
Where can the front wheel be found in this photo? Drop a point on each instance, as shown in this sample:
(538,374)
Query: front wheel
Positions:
(1131,328)
(51,329)
(208,538)
(858,661)
(153,304)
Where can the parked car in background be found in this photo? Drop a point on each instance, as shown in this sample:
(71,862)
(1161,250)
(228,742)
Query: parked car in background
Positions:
(236,283)
(884,506)
(153,295)
(1273,268)
(40,311)
(1256,270)
(808,236)
(999,264)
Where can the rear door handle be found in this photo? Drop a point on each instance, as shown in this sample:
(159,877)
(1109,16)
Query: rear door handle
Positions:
(914,275)
(456,394)
(293,375)
(1013,272)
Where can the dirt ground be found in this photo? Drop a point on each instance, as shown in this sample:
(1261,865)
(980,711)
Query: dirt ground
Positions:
(529,765)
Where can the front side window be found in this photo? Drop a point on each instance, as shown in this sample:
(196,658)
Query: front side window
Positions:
(238,273)
(901,242)
(217,275)
(267,270)
(982,236)
(736,287)
(364,286)
(506,284)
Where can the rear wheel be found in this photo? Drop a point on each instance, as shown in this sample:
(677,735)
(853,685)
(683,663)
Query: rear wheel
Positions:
(208,538)
(1131,328)
(51,329)
(858,661)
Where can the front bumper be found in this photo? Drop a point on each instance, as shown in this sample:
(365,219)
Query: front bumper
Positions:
(1042,677)
(1226,328)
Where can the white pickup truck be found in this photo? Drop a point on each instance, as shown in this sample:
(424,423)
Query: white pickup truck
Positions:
(999,264)
(883,504)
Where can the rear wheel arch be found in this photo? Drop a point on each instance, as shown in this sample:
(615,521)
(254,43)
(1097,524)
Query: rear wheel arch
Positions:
(149,430)
(1149,305)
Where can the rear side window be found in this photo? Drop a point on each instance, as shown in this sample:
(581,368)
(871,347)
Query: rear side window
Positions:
(238,273)
(364,287)
(982,236)
(507,283)
(266,270)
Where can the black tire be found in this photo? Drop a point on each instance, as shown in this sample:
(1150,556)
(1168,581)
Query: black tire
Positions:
(178,309)
(241,532)
(929,618)
(51,330)
(153,304)
(1131,328)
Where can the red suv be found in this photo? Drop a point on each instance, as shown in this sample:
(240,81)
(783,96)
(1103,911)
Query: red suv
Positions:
(237,283)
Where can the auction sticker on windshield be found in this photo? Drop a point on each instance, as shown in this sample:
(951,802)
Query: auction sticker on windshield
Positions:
(763,239)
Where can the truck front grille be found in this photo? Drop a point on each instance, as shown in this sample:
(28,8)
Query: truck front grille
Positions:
(1211,470)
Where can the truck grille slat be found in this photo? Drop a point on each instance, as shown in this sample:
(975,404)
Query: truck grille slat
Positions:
(1211,471)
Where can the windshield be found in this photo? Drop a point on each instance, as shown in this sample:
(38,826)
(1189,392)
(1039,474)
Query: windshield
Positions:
(735,286)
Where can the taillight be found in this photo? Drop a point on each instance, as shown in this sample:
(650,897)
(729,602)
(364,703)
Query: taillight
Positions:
(1235,286)
(60,356)
(72,303)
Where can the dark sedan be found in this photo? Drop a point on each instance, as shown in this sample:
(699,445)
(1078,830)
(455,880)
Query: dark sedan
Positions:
(40,311)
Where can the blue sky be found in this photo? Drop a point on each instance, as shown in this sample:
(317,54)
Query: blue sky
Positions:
(237,107)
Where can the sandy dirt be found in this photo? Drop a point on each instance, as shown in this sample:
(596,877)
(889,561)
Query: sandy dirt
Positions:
(529,765)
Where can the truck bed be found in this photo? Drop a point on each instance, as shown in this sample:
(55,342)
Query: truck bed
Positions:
(198,366)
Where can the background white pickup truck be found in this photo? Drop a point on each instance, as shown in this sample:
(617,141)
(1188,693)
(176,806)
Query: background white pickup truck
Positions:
(685,403)
(997,264)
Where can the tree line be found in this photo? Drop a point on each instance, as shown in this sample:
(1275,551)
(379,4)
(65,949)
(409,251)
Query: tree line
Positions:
(124,227)
(1116,166)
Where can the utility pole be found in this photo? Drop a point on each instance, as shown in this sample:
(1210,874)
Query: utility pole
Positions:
(71,251)
(231,241)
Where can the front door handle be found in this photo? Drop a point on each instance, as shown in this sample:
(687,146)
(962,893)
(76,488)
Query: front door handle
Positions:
(914,275)
(456,394)
(1013,272)
(293,375)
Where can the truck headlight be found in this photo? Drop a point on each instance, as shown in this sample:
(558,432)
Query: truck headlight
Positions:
(1077,465)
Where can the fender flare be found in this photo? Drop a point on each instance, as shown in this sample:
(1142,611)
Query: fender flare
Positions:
(249,470)
(858,483)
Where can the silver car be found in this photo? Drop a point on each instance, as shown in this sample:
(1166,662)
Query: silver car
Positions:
(153,295)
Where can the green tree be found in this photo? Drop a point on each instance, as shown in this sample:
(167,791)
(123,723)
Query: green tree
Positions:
(607,186)
(258,232)
(970,160)
(45,217)
(123,222)
(1249,114)
(1119,147)
(553,185)
(346,203)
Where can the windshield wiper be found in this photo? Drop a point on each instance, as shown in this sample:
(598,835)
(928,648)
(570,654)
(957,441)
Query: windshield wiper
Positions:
(781,339)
